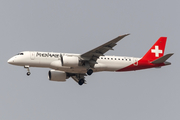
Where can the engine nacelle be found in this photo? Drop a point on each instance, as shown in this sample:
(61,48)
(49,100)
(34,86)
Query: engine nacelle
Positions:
(55,75)
(70,61)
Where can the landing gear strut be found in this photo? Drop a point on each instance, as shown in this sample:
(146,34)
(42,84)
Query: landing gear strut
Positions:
(28,73)
(89,71)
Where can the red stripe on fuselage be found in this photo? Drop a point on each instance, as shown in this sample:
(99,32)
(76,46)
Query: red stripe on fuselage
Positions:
(141,64)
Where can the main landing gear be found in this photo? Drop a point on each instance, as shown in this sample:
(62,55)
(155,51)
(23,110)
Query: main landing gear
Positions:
(88,67)
(81,81)
(79,78)
(28,70)
(89,71)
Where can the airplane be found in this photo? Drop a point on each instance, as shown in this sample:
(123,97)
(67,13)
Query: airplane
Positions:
(77,66)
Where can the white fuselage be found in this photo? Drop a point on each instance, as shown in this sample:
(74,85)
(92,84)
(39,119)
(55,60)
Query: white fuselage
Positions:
(52,60)
(77,66)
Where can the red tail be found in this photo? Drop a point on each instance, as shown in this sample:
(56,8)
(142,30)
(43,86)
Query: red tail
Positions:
(157,50)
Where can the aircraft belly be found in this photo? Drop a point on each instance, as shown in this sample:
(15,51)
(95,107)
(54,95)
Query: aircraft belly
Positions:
(99,67)
(71,69)
(111,66)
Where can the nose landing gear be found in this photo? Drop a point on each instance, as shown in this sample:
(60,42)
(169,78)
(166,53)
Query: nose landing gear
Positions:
(27,67)
(28,73)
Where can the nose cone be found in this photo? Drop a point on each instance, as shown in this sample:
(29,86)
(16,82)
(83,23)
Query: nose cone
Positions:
(11,61)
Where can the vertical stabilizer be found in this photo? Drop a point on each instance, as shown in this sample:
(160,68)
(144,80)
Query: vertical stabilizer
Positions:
(157,50)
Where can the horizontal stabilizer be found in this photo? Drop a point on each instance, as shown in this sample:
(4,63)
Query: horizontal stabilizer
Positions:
(162,59)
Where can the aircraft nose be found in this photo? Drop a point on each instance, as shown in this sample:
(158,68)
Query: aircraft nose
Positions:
(11,61)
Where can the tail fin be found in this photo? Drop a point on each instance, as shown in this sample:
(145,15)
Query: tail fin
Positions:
(157,50)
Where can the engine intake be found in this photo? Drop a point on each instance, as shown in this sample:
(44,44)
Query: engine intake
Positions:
(55,75)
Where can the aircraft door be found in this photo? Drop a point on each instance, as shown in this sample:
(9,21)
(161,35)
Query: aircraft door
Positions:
(32,55)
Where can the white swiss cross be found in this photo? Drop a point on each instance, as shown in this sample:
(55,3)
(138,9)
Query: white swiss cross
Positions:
(156,51)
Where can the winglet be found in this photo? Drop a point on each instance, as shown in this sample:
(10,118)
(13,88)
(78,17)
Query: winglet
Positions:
(162,59)
(125,34)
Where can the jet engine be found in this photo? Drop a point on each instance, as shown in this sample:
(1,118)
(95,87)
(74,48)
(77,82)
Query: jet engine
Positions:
(70,61)
(55,75)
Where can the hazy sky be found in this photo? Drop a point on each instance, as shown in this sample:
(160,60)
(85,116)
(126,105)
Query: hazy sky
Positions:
(77,27)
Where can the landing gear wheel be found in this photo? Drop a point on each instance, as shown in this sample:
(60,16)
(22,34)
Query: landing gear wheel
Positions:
(81,82)
(90,71)
(28,73)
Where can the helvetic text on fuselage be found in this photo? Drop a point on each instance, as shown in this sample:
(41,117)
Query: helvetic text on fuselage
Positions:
(55,55)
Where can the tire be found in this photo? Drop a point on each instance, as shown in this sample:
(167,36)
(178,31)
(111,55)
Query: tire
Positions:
(89,72)
(81,82)
(28,73)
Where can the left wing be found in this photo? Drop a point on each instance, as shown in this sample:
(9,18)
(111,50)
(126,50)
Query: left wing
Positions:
(92,55)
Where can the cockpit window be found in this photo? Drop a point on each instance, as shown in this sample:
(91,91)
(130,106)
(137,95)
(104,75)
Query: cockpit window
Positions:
(20,53)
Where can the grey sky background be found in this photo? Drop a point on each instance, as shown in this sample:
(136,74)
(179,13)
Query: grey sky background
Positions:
(77,27)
